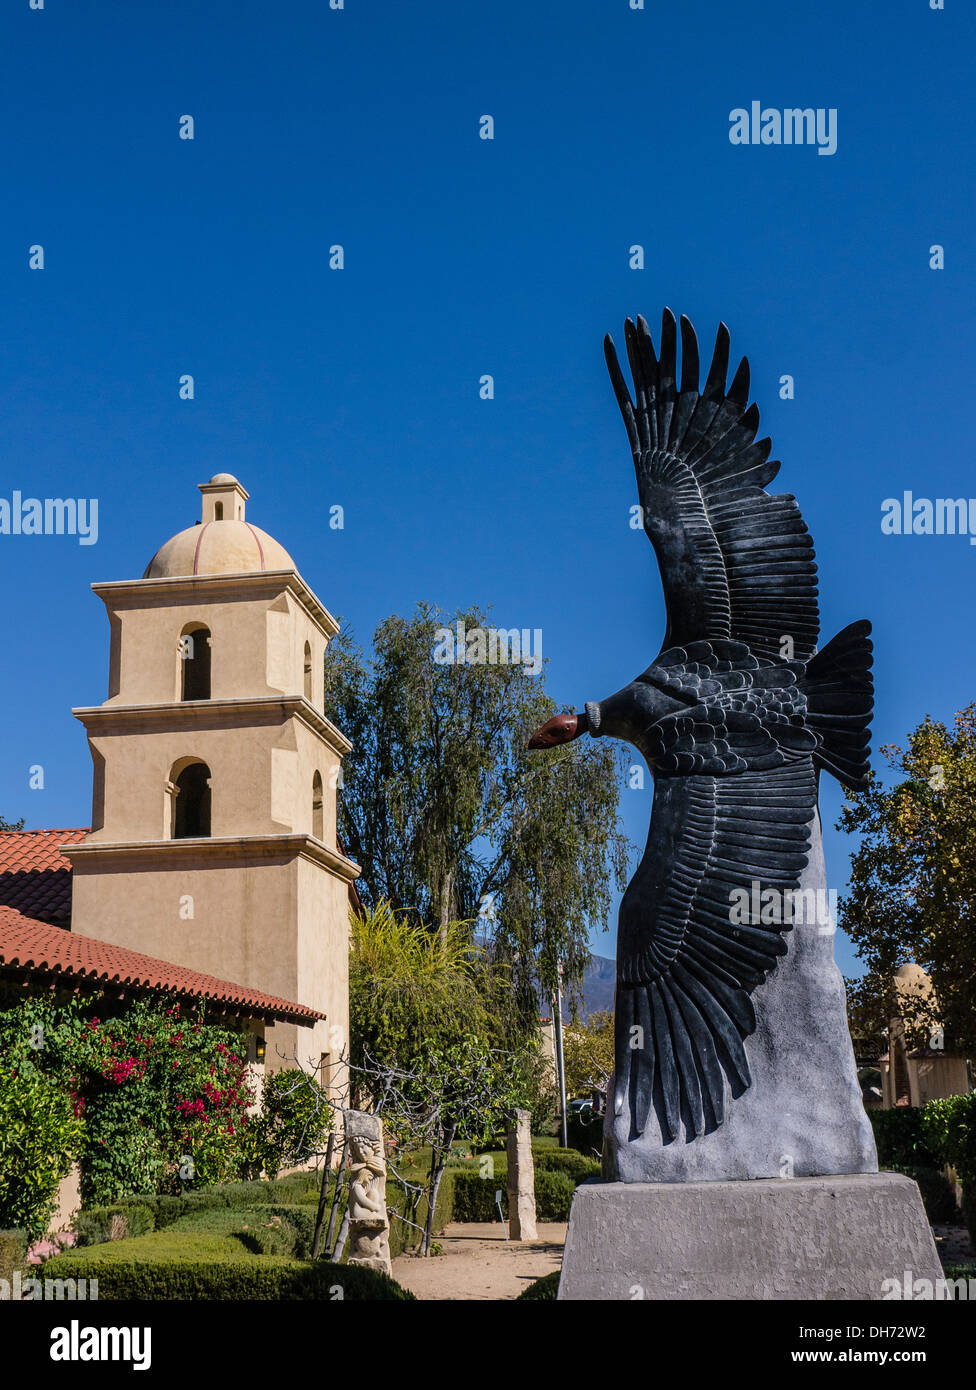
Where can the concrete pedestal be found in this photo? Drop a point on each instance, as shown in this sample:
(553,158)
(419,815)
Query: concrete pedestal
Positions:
(794,1238)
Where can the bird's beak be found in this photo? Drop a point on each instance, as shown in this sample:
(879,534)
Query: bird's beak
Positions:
(562,728)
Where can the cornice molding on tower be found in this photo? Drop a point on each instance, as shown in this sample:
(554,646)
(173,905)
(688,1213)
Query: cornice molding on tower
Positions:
(199,715)
(227,848)
(175,588)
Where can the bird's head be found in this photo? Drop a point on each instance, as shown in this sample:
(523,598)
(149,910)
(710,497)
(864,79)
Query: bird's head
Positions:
(561,728)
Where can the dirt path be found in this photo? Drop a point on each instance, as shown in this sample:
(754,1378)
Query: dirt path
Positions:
(478,1262)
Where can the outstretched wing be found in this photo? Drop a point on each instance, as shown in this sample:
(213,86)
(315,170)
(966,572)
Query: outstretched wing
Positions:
(735,562)
(688,960)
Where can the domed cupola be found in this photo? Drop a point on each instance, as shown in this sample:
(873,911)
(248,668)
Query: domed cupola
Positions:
(222,542)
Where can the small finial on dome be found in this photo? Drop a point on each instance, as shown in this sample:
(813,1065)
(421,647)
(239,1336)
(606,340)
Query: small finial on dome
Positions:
(223,498)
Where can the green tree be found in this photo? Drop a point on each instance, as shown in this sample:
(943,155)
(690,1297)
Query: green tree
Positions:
(912,891)
(411,988)
(588,1054)
(452,817)
(11,825)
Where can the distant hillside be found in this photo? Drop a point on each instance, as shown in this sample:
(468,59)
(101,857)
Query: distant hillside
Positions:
(598,986)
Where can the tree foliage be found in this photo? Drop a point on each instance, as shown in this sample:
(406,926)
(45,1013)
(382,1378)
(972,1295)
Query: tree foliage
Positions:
(163,1094)
(450,814)
(410,988)
(588,1054)
(913,882)
(39,1139)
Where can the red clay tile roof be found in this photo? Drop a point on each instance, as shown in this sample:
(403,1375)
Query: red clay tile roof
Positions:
(35,877)
(26,944)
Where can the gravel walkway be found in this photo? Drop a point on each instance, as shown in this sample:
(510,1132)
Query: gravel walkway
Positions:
(478,1262)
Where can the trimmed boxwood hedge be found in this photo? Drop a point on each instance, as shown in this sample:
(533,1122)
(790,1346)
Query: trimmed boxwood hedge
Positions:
(570,1161)
(99,1224)
(474,1196)
(226,1280)
(545,1288)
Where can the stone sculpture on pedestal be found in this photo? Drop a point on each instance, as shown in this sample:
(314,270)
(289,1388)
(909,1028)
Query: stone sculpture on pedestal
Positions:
(369,1224)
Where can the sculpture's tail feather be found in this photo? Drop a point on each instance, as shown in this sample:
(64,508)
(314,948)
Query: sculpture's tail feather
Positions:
(840,698)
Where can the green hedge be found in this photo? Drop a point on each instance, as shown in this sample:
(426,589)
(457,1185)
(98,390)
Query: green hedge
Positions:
(570,1161)
(225,1280)
(938,1194)
(274,1230)
(295,1200)
(99,1224)
(13,1252)
(545,1288)
(899,1136)
(474,1196)
(300,1189)
(957,1271)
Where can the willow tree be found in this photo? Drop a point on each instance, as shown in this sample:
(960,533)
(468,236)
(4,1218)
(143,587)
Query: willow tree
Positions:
(451,816)
(912,890)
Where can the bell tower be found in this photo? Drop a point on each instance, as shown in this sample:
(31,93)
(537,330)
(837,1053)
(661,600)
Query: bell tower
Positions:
(213,841)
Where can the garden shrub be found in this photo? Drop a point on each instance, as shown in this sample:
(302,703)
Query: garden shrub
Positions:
(553,1196)
(952,1272)
(269,1235)
(294,1199)
(301,1223)
(165,1210)
(570,1161)
(950,1126)
(474,1196)
(13,1252)
(40,1137)
(164,1092)
(98,1224)
(901,1140)
(938,1194)
(294,1118)
(207,1280)
(545,1288)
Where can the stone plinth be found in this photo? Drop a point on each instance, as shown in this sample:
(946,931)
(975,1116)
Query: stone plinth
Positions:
(802,1238)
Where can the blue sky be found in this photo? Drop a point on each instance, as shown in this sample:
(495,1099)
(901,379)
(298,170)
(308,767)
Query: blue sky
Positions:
(360,387)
